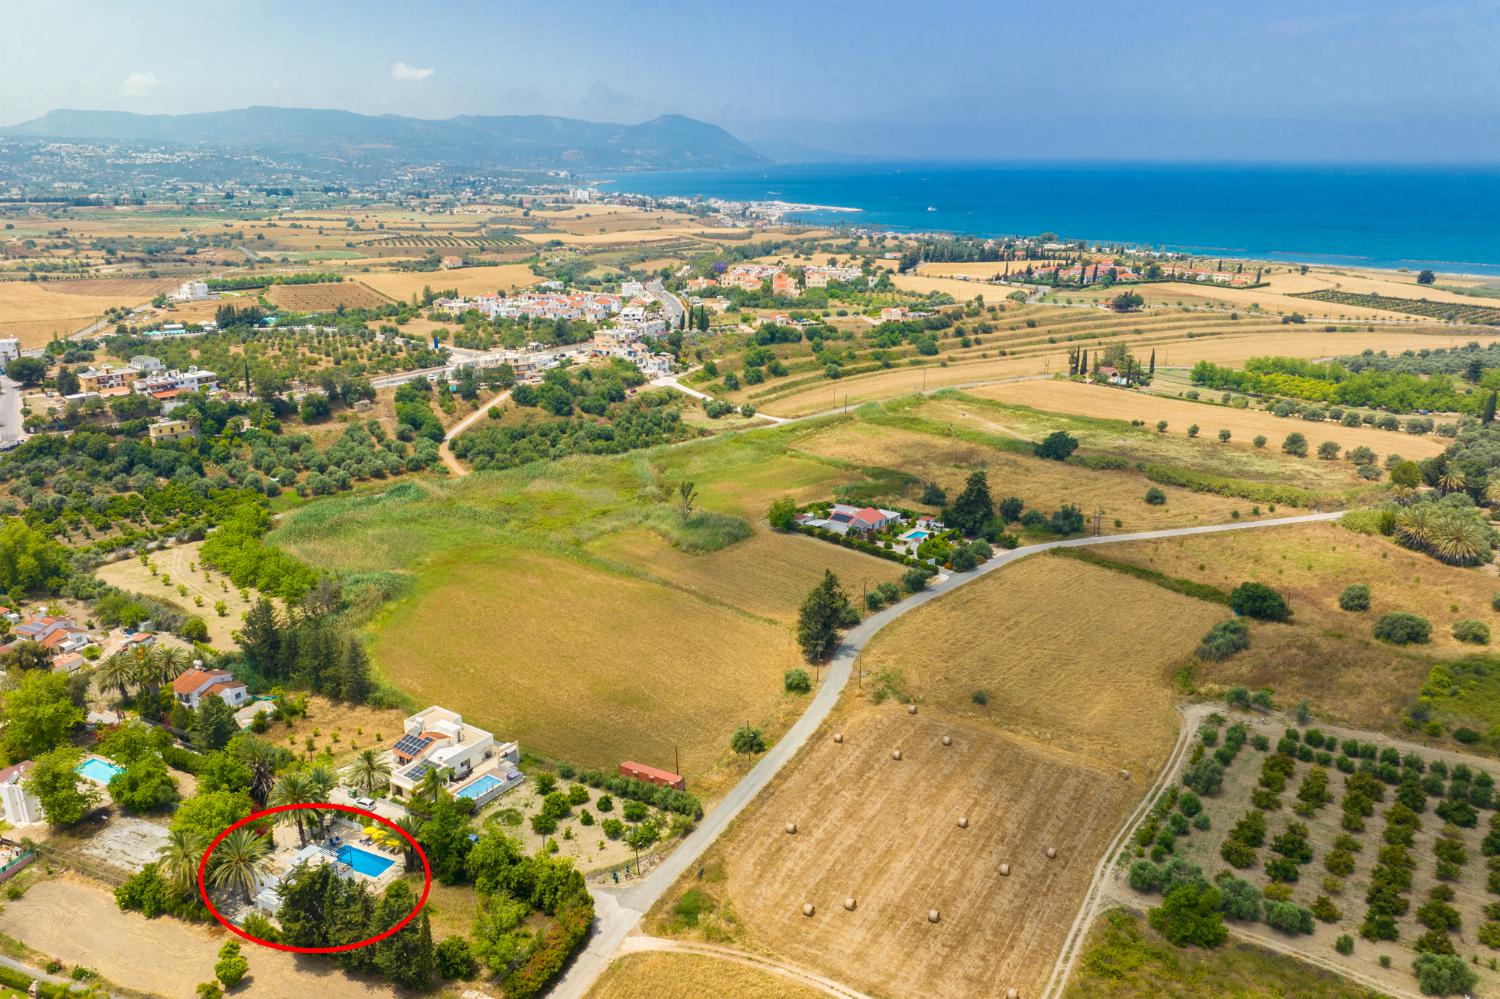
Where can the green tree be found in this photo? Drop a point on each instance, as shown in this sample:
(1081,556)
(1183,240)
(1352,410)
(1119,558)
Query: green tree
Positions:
(29,371)
(455,959)
(239,862)
(1189,916)
(178,859)
(39,714)
(1260,601)
(687,497)
(783,514)
(974,508)
(747,741)
(1443,974)
(55,782)
(214,724)
(29,561)
(1426,277)
(369,771)
(1057,446)
(144,786)
(1407,474)
(819,619)
(406,957)
(1295,445)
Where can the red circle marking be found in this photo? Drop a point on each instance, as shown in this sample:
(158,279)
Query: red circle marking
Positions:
(319,806)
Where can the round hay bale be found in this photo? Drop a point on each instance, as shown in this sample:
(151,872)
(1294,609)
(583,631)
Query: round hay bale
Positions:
(963,822)
(1005,870)
(911,709)
(895,754)
(1124,774)
(947,740)
(1051,853)
(807,909)
(838,737)
(849,903)
(791,828)
(932,915)
(1012,994)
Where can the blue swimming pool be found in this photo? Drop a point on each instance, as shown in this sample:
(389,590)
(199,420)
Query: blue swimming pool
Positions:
(916,535)
(480,787)
(371,865)
(99,771)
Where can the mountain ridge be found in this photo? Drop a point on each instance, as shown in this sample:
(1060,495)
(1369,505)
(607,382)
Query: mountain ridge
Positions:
(667,141)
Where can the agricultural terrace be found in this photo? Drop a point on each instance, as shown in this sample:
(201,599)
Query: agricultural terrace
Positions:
(1243,423)
(1326,655)
(324,297)
(1358,851)
(1009,340)
(665,975)
(633,648)
(886,833)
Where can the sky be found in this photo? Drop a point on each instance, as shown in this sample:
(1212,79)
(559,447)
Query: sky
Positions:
(1272,80)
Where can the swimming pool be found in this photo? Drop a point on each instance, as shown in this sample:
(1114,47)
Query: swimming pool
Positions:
(100,771)
(480,787)
(371,865)
(915,535)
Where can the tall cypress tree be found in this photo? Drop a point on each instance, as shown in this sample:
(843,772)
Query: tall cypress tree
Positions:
(1153,362)
(818,620)
(1489,409)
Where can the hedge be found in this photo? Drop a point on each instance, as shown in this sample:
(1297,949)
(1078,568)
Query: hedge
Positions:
(868,547)
(1221,485)
(1187,587)
(547,960)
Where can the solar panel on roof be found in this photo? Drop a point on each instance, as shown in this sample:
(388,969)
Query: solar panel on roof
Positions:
(411,745)
(419,770)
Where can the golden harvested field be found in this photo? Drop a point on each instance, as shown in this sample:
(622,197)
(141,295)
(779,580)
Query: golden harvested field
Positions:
(209,584)
(593,667)
(35,311)
(886,833)
(467,280)
(1199,294)
(663,975)
(768,575)
(1176,348)
(962,291)
(1243,424)
(1042,484)
(1076,657)
(1327,655)
(324,297)
(1392,283)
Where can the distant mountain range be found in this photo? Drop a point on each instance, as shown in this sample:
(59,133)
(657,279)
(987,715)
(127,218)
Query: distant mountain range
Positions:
(537,142)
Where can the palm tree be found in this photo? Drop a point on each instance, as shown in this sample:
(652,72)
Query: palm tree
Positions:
(323,782)
(239,861)
(294,789)
(432,788)
(1452,480)
(117,671)
(1492,493)
(412,826)
(179,858)
(687,496)
(369,771)
(261,758)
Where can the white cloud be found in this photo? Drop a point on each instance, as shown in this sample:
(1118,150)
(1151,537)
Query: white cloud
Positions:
(401,71)
(139,84)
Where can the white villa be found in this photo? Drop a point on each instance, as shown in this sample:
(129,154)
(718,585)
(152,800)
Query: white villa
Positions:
(21,806)
(438,739)
(197,683)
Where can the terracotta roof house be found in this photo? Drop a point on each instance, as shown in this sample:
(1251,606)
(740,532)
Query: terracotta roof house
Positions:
(197,683)
(652,775)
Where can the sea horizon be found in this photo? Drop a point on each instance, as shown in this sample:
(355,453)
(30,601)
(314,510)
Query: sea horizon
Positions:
(1387,216)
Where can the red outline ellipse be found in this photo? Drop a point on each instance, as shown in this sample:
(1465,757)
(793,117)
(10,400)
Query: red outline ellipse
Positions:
(318,806)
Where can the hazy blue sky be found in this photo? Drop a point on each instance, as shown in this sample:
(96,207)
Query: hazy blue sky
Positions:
(1271,79)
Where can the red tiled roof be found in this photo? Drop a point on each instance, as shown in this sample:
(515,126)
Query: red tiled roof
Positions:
(649,772)
(19,768)
(194,678)
(222,686)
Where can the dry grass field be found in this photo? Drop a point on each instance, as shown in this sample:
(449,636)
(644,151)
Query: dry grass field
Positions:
(1203,295)
(1243,424)
(1073,656)
(36,311)
(595,668)
(768,575)
(202,582)
(980,270)
(1044,485)
(324,297)
(467,280)
(1327,655)
(662,975)
(886,832)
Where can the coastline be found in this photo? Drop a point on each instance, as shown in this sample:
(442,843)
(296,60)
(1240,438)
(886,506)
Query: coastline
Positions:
(1367,218)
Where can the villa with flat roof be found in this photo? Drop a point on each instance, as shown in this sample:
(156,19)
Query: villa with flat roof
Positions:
(438,739)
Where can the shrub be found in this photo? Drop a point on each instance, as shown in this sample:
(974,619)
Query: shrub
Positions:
(1145,877)
(1355,597)
(1344,944)
(1443,974)
(455,958)
(1204,777)
(1224,640)
(1258,600)
(1189,916)
(796,681)
(1401,628)
(231,966)
(1155,497)
(1057,446)
(1295,445)
(1288,917)
(1471,631)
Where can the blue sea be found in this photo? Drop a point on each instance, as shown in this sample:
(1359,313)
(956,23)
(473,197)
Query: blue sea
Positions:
(1447,219)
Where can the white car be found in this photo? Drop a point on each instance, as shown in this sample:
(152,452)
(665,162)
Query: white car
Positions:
(366,803)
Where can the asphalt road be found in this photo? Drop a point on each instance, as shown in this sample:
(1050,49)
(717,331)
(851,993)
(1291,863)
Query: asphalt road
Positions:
(618,912)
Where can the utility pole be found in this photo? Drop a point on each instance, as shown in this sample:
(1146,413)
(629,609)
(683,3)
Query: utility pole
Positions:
(677,760)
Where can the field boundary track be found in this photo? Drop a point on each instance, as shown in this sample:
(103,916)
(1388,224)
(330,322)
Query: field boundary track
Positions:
(643,944)
(617,913)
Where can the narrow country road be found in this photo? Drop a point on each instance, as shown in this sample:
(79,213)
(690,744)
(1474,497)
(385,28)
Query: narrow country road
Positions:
(641,944)
(446,453)
(618,912)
